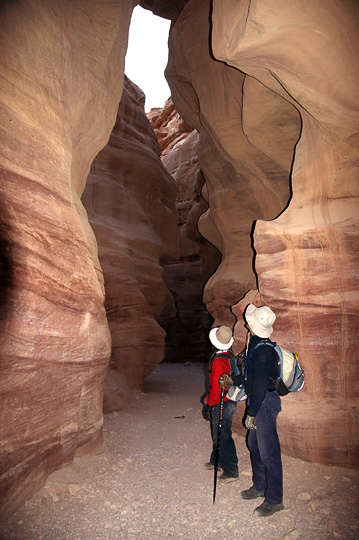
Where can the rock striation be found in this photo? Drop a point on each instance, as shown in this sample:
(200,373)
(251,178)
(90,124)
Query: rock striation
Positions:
(244,179)
(277,149)
(270,174)
(62,74)
(306,259)
(131,204)
(187,330)
(170,129)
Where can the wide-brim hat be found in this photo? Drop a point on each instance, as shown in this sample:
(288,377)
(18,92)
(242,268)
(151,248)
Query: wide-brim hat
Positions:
(221,337)
(260,320)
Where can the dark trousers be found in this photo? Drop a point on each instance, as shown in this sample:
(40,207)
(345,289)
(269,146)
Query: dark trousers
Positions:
(228,459)
(264,447)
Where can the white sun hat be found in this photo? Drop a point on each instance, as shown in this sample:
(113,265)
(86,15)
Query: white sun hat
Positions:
(260,320)
(221,337)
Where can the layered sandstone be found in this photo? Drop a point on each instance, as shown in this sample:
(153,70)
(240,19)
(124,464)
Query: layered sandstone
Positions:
(131,206)
(62,74)
(306,258)
(171,130)
(279,74)
(246,176)
(249,121)
(187,330)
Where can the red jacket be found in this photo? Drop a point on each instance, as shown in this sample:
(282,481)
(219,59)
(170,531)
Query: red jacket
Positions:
(216,368)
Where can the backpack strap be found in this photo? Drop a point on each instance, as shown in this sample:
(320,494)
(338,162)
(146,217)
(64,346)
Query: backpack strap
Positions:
(221,354)
(233,359)
(211,360)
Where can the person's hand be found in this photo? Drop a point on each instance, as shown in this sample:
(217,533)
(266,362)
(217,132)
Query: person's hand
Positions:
(207,412)
(225,381)
(249,422)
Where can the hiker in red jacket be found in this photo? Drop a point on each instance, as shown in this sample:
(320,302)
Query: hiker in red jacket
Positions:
(222,339)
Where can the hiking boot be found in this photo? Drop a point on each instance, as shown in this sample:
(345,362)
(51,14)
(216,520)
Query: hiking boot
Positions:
(266,509)
(225,479)
(251,493)
(209,466)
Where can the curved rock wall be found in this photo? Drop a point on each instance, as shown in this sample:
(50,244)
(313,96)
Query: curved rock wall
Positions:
(246,177)
(187,330)
(306,258)
(62,75)
(281,73)
(249,122)
(130,200)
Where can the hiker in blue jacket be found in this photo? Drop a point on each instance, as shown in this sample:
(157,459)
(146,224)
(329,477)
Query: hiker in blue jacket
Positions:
(263,407)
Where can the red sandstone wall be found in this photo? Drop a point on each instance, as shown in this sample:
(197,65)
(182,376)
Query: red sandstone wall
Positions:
(62,74)
(306,259)
(130,200)
(249,121)
(62,78)
(187,329)
(245,179)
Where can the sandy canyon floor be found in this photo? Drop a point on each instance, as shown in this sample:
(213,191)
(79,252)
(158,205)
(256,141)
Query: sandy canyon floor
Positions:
(150,482)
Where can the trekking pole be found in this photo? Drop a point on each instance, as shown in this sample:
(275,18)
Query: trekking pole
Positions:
(218,443)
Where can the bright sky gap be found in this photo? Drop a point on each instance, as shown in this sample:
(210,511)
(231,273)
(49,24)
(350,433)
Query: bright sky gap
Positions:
(147,56)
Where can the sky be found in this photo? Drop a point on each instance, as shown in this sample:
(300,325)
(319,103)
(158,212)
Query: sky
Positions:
(147,55)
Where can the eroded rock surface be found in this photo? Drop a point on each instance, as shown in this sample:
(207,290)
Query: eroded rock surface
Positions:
(130,200)
(187,330)
(306,259)
(244,179)
(283,73)
(249,122)
(62,72)
(168,9)
(170,128)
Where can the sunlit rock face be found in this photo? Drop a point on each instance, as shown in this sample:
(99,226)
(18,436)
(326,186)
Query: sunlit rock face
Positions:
(246,178)
(130,200)
(62,72)
(171,130)
(187,330)
(305,260)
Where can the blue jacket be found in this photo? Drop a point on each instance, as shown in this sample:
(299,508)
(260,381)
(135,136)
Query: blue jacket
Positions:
(260,366)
